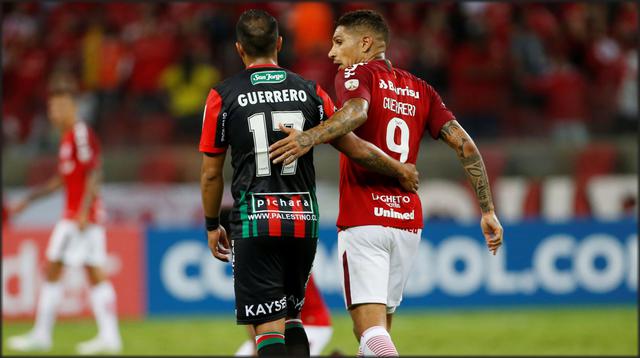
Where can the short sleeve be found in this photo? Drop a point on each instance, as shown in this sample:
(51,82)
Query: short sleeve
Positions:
(353,82)
(328,107)
(438,114)
(86,146)
(213,138)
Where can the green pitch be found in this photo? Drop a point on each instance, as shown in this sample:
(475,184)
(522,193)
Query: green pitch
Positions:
(576,331)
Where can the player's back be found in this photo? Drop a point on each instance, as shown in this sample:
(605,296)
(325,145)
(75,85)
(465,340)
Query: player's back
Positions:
(79,153)
(401,107)
(244,112)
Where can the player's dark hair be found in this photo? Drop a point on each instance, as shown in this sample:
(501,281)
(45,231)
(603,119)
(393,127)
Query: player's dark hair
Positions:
(369,19)
(257,32)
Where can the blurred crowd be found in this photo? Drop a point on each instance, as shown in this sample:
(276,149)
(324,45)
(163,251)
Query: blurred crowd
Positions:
(566,71)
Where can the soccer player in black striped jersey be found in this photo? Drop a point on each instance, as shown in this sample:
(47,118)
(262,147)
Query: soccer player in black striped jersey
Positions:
(274,221)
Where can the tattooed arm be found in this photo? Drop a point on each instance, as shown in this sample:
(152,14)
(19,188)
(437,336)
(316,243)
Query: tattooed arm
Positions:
(458,139)
(374,159)
(351,116)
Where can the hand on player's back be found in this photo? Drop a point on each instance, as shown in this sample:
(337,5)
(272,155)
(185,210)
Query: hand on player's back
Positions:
(219,244)
(409,178)
(492,231)
(287,150)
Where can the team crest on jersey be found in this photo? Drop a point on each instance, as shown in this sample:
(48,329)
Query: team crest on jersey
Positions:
(268,77)
(351,84)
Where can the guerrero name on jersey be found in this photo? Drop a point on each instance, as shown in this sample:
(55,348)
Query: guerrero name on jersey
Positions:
(244,112)
(401,108)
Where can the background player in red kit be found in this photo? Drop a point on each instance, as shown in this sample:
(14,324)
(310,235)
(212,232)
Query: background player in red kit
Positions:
(380,223)
(77,239)
(315,319)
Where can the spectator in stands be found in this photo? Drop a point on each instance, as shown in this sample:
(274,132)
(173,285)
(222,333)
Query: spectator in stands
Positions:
(433,47)
(186,83)
(153,49)
(564,90)
(478,82)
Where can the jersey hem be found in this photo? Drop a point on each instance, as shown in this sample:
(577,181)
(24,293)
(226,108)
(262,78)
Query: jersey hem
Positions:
(275,237)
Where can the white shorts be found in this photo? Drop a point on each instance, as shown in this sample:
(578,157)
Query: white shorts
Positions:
(375,262)
(75,248)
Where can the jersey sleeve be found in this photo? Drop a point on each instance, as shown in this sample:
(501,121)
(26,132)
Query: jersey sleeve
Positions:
(438,114)
(86,146)
(328,107)
(213,139)
(353,82)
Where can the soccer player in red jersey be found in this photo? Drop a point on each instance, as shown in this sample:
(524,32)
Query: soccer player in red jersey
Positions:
(380,224)
(315,319)
(77,239)
(274,219)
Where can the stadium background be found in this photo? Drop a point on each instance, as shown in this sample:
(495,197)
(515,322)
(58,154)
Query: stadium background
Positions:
(549,92)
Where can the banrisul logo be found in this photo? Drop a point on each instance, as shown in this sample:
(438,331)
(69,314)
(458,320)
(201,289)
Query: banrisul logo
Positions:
(268,77)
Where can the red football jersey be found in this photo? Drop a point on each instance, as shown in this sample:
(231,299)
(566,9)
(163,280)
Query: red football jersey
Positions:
(314,312)
(401,108)
(79,153)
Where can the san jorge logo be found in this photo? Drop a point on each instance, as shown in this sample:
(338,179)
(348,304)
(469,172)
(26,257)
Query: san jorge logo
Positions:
(268,77)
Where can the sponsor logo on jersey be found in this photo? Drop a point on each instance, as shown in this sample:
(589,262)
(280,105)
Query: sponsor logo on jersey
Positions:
(390,213)
(392,201)
(352,84)
(404,91)
(293,203)
(268,77)
(265,308)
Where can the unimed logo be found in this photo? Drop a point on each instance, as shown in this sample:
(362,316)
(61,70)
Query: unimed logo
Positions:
(268,77)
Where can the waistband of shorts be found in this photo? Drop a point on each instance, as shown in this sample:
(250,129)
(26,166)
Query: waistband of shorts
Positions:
(413,231)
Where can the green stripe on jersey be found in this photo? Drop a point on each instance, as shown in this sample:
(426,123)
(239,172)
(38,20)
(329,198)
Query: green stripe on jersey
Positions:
(254,232)
(314,224)
(243,215)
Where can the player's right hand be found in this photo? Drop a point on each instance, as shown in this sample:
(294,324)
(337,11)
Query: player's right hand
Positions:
(409,177)
(492,231)
(219,244)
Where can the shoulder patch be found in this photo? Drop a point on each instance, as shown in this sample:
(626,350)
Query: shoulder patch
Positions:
(351,84)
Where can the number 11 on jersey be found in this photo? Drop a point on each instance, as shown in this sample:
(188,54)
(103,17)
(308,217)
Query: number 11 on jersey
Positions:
(258,126)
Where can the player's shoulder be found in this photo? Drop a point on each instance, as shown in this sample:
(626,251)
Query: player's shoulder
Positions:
(299,79)
(356,69)
(418,82)
(408,76)
(81,130)
(245,80)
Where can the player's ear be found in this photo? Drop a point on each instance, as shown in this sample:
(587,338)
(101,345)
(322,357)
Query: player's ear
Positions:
(279,44)
(240,49)
(366,43)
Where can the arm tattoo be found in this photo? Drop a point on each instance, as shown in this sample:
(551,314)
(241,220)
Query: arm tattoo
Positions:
(304,140)
(453,134)
(377,161)
(342,122)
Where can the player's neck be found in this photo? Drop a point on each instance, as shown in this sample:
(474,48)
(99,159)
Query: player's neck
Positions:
(376,56)
(260,61)
(67,125)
